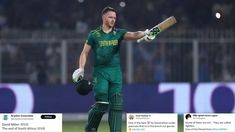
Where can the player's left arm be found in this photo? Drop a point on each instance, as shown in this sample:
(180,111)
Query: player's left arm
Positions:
(134,35)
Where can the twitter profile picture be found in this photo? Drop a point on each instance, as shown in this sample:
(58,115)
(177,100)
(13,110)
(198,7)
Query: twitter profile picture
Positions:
(187,116)
(5,117)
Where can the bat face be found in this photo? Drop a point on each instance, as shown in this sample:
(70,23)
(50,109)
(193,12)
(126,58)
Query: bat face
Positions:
(167,23)
(160,27)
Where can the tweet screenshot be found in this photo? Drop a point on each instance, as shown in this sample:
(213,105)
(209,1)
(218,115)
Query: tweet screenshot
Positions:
(209,122)
(151,122)
(44,122)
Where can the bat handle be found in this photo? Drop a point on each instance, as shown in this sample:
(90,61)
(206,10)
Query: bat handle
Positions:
(140,40)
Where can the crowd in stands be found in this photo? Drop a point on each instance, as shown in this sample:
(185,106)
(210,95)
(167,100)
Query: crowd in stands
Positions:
(72,14)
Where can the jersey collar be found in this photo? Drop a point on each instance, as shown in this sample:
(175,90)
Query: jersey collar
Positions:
(113,30)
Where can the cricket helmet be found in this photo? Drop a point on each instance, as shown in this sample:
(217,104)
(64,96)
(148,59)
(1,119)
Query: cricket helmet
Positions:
(83,87)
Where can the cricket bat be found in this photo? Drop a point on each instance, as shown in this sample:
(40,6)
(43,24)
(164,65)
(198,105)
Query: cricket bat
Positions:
(161,27)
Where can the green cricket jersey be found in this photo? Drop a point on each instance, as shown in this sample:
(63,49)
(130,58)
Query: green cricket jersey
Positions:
(106,46)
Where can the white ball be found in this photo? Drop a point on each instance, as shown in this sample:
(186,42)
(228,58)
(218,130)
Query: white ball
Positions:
(122,4)
(217,15)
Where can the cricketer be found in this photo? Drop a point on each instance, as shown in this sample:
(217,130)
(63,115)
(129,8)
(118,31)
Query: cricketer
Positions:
(105,43)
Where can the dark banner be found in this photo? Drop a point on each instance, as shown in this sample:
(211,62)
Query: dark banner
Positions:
(159,98)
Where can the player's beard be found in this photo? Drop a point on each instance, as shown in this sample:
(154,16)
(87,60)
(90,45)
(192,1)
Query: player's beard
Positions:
(111,24)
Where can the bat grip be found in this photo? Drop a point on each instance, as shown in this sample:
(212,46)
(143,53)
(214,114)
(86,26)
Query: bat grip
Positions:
(140,40)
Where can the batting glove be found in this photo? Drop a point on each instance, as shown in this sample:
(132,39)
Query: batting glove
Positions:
(149,36)
(78,75)
(146,32)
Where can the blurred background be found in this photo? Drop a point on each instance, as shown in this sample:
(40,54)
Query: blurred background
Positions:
(40,43)
(41,40)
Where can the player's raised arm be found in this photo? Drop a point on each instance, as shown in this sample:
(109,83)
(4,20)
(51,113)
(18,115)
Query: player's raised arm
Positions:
(134,35)
(138,35)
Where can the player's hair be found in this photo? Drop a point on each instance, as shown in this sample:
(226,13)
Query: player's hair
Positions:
(108,8)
